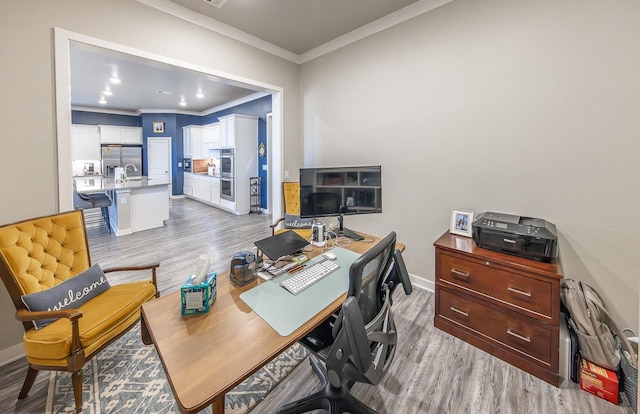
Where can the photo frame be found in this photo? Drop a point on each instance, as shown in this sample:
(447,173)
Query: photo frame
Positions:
(461,222)
(158,127)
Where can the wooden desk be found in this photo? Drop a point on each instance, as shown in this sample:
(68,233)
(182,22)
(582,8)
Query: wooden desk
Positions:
(206,356)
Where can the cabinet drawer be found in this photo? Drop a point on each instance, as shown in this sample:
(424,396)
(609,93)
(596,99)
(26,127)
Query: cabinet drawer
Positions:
(524,294)
(532,341)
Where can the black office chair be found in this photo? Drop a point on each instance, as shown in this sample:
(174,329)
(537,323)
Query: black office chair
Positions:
(363,335)
(94,200)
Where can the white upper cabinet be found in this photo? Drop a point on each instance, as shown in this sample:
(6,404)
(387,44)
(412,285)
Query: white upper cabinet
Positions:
(111,134)
(211,137)
(132,135)
(228,131)
(85,142)
(192,142)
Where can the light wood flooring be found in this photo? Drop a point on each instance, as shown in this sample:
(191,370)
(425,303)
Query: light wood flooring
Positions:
(432,372)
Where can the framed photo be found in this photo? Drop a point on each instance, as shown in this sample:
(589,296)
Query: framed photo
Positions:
(158,127)
(461,222)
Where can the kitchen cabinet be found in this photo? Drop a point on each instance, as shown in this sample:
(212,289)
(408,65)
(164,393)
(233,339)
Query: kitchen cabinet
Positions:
(210,138)
(111,134)
(202,188)
(192,142)
(85,142)
(503,304)
(241,133)
(215,190)
(228,126)
(188,184)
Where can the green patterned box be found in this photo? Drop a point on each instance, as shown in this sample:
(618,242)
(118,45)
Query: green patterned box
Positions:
(198,298)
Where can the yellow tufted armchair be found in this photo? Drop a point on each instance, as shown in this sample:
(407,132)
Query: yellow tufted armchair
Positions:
(291,194)
(39,254)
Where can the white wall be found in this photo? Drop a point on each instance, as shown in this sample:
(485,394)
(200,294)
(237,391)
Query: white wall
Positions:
(27,111)
(523,107)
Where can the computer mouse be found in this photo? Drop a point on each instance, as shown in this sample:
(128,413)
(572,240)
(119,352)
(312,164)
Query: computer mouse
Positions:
(329,255)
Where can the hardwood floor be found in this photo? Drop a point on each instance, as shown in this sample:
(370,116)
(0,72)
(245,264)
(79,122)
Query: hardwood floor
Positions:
(432,372)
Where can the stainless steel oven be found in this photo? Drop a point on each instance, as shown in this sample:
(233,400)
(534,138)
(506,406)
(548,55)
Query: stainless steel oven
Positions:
(226,162)
(226,188)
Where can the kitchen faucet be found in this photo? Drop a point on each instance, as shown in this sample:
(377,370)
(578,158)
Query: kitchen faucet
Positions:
(135,169)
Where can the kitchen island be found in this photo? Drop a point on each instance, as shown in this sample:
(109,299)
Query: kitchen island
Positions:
(138,203)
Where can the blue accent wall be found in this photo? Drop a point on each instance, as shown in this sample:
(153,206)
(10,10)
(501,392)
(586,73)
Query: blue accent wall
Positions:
(173,124)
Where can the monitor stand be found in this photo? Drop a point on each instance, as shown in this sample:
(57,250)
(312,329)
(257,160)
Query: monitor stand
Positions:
(345,232)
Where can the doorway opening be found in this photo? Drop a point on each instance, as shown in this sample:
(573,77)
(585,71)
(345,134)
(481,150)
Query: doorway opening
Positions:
(63,42)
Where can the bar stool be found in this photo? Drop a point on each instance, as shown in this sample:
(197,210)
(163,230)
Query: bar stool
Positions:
(94,200)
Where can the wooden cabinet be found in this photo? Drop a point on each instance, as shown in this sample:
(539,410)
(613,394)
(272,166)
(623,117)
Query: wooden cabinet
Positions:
(503,304)
(111,134)
(85,142)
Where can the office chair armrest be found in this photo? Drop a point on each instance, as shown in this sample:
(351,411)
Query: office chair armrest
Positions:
(353,324)
(402,273)
(151,266)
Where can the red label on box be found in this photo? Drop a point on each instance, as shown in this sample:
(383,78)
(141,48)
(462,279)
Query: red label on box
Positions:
(599,381)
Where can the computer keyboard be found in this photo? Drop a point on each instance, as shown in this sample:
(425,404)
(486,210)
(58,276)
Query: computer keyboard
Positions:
(307,277)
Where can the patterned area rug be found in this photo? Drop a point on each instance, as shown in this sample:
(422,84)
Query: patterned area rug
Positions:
(127,377)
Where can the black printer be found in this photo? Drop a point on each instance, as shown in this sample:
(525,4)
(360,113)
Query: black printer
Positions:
(528,237)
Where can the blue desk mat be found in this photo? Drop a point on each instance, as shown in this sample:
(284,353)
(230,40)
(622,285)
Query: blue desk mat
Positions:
(285,312)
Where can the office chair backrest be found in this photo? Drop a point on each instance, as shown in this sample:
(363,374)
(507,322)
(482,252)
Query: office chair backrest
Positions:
(368,273)
(362,352)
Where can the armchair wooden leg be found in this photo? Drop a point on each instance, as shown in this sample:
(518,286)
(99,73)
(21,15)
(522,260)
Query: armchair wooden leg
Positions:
(32,373)
(76,380)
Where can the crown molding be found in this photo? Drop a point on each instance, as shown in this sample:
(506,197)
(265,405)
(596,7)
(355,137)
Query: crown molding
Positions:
(383,23)
(221,28)
(404,14)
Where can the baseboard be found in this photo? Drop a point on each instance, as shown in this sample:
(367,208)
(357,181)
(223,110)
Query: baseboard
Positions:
(13,353)
(421,283)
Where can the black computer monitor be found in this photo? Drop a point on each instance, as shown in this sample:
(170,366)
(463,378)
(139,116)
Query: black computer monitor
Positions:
(340,191)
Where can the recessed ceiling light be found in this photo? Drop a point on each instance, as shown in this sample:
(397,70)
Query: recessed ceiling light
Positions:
(200,94)
(114,79)
(102,100)
(107,92)
(183,103)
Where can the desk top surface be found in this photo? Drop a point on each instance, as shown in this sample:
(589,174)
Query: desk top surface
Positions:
(205,356)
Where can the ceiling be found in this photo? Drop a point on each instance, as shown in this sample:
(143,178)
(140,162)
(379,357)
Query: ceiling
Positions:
(297,26)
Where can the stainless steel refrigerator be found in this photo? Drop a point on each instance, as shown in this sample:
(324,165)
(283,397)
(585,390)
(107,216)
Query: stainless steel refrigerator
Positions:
(121,156)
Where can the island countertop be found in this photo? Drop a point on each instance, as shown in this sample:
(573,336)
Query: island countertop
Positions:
(85,185)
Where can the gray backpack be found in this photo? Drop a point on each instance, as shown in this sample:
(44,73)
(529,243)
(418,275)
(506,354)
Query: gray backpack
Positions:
(595,328)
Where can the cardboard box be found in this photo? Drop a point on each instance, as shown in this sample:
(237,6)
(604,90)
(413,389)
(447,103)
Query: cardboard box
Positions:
(198,298)
(599,381)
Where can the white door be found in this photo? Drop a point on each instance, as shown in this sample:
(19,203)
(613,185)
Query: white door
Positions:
(159,159)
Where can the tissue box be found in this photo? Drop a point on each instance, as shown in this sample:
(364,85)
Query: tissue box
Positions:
(198,298)
(599,381)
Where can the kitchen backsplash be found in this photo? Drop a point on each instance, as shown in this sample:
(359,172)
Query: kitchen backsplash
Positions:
(200,165)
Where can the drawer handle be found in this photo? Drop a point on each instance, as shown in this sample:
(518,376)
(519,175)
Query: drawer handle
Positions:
(459,273)
(524,338)
(456,310)
(519,292)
